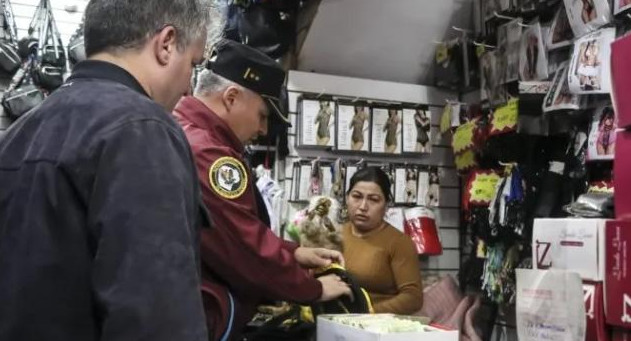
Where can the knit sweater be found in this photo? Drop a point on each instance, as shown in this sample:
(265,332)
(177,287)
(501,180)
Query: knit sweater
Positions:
(386,265)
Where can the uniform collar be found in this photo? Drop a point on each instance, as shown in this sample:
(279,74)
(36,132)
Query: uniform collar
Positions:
(196,112)
(104,70)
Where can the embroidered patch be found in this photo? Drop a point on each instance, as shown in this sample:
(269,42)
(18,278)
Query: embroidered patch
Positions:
(228,177)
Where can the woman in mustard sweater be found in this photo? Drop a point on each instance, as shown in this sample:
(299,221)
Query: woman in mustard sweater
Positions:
(380,258)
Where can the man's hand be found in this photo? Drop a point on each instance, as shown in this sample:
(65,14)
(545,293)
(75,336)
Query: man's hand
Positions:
(317,257)
(333,287)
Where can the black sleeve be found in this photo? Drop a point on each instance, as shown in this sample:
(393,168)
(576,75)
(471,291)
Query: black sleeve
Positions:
(142,212)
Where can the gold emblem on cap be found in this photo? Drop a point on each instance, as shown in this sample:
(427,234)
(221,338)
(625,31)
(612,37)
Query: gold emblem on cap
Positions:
(249,74)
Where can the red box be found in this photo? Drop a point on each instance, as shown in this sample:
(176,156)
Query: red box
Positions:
(621,335)
(621,82)
(618,273)
(595,312)
(622,175)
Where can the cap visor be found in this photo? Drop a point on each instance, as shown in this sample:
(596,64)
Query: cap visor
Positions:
(273,103)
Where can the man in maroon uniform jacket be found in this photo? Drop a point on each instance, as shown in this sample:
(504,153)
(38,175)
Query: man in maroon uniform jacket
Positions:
(243,262)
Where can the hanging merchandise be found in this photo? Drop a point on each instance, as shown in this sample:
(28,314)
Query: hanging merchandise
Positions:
(338,168)
(587,15)
(21,95)
(394,217)
(302,181)
(491,79)
(559,97)
(448,67)
(464,137)
(531,120)
(550,306)
(561,33)
(620,6)
(589,71)
(498,279)
(506,210)
(420,226)
(316,122)
(508,43)
(49,71)
(316,179)
(386,130)
(533,63)
(417,137)
(432,198)
(76,47)
(450,117)
(260,25)
(422,188)
(353,127)
(10,60)
(406,186)
(602,135)
(621,82)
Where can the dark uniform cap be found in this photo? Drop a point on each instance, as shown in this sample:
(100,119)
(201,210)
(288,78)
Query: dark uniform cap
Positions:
(251,69)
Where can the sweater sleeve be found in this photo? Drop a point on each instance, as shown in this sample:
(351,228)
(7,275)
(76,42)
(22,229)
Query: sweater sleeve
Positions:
(407,275)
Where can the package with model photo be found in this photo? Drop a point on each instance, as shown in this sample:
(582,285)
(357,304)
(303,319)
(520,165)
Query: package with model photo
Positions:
(621,5)
(386,130)
(417,137)
(508,43)
(533,63)
(602,136)
(406,187)
(559,97)
(587,15)
(589,70)
(560,34)
(353,127)
(317,123)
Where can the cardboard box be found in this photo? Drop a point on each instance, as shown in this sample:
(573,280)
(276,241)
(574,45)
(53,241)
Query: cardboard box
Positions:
(621,82)
(622,175)
(595,312)
(329,330)
(618,278)
(576,245)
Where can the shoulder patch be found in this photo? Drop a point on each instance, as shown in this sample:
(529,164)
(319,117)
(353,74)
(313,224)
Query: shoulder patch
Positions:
(228,177)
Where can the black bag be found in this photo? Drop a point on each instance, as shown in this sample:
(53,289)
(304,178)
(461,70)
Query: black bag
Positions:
(21,100)
(10,60)
(260,26)
(48,77)
(26,47)
(54,55)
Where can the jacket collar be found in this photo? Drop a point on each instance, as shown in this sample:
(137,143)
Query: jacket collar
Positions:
(104,70)
(195,111)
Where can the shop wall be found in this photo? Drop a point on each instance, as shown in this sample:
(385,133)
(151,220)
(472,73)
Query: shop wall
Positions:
(375,39)
(448,212)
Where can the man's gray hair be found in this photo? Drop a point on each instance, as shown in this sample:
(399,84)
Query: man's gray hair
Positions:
(209,83)
(127,24)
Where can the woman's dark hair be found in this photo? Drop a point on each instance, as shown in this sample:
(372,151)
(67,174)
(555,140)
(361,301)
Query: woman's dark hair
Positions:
(606,114)
(372,174)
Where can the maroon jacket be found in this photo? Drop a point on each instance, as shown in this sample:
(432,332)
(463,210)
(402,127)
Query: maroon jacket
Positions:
(241,256)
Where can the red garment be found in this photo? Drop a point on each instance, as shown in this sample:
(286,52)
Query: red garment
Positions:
(240,254)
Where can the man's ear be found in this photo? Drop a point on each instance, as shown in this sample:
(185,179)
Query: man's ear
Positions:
(165,44)
(229,96)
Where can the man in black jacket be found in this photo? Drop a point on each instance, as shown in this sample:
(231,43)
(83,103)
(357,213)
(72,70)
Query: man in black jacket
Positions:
(99,199)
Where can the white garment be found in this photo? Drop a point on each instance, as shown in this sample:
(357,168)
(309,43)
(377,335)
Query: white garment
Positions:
(274,199)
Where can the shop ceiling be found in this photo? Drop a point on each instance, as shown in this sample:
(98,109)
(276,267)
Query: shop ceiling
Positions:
(389,40)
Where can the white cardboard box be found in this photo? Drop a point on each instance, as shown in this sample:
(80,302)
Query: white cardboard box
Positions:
(332,331)
(576,245)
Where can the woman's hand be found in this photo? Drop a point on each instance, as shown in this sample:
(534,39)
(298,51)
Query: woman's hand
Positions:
(317,257)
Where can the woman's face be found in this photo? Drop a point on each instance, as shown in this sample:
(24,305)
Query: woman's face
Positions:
(366,206)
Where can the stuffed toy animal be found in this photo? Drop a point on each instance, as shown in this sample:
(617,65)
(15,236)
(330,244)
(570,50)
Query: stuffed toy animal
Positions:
(319,226)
